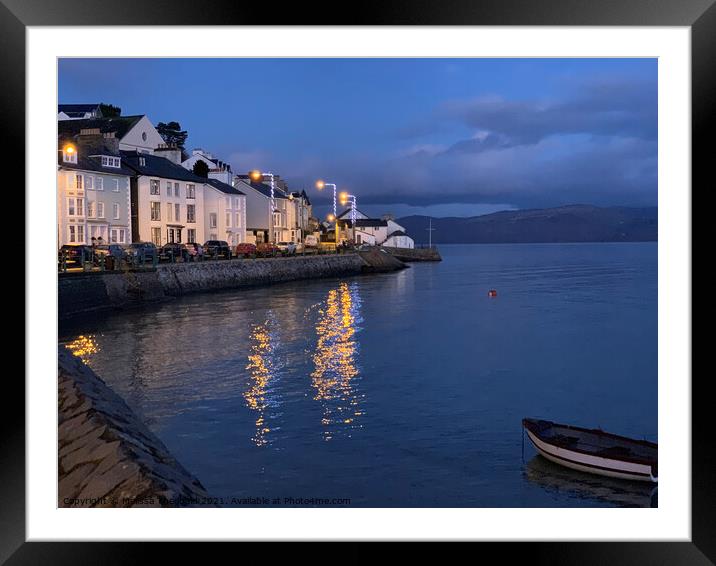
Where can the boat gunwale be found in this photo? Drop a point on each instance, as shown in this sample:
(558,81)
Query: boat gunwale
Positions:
(532,424)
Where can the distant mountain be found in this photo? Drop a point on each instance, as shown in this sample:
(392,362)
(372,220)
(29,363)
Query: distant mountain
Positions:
(572,223)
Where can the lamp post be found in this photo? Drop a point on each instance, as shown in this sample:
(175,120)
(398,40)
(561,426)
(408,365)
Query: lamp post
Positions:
(320,185)
(345,197)
(257,176)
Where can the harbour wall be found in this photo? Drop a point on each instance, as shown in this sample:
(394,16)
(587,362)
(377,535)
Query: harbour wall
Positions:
(414,254)
(106,456)
(83,293)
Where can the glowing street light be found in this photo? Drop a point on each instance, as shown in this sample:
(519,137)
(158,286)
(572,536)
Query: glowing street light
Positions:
(258,176)
(345,197)
(320,185)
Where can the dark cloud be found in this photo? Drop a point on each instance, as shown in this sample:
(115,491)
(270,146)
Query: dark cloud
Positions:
(597,144)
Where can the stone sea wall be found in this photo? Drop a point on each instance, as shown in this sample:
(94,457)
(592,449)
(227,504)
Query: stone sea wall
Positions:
(82,293)
(107,457)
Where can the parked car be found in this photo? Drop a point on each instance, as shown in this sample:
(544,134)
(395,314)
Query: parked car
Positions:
(75,255)
(311,241)
(287,248)
(267,249)
(143,252)
(245,250)
(196,251)
(217,248)
(173,252)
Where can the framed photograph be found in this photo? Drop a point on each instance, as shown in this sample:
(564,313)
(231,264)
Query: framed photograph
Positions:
(421,273)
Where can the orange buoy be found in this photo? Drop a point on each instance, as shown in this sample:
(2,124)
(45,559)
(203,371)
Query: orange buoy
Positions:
(492,293)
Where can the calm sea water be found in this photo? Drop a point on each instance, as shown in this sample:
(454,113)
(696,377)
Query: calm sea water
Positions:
(401,389)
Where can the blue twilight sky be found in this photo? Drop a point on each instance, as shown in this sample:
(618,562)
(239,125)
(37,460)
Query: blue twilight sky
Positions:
(446,137)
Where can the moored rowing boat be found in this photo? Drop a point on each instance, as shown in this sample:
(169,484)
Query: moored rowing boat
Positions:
(594,451)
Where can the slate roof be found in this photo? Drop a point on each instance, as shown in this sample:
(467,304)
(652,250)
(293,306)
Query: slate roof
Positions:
(86,163)
(265,189)
(223,187)
(120,125)
(76,109)
(156,166)
(368,223)
(347,212)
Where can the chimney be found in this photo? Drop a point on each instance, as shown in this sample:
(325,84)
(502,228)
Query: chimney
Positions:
(93,142)
(170,152)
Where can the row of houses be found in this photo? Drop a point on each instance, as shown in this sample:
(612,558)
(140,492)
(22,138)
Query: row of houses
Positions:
(119,182)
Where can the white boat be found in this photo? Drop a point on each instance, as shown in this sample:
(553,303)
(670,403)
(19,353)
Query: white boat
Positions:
(594,451)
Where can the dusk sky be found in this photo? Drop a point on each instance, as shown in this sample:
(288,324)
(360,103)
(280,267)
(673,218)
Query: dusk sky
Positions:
(445,137)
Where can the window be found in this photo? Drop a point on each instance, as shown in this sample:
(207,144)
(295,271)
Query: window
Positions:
(90,209)
(169,212)
(156,210)
(80,233)
(176,189)
(236,202)
(169,188)
(70,207)
(154,186)
(237,222)
(228,220)
(144,136)
(190,191)
(69,155)
(78,181)
(228,202)
(89,183)
(109,161)
(142,162)
(113,236)
(122,235)
(190,214)
(115,188)
(115,211)
(212,221)
(100,210)
(157,236)
(99,183)
(177,212)
(191,235)
(72,237)
(80,207)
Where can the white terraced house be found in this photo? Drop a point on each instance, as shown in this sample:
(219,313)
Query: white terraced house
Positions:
(93,203)
(167,200)
(134,133)
(224,212)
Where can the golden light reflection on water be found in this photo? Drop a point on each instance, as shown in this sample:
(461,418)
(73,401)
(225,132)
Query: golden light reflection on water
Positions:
(262,368)
(335,361)
(84,347)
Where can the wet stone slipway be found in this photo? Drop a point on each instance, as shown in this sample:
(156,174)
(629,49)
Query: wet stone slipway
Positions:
(107,456)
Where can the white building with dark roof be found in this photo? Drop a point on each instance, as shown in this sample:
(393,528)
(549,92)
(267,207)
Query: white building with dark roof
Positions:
(167,200)
(135,133)
(224,212)
(78,111)
(218,169)
(93,199)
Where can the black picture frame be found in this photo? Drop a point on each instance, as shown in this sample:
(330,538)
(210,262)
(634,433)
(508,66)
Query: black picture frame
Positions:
(699,15)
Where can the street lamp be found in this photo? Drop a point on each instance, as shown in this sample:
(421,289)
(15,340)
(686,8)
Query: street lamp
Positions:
(320,186)
(257,176)
(345,197)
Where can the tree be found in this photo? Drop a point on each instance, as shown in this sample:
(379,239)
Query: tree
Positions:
(172,134)
(201,169)
(109,110)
